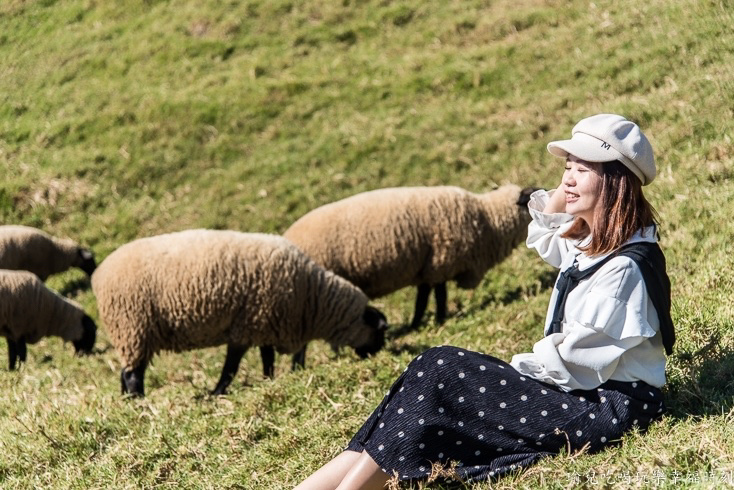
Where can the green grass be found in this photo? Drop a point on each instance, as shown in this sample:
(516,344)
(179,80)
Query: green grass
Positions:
(126,119)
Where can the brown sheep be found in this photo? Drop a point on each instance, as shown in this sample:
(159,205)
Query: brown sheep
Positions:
(203,288)
(30,311)
(33,250)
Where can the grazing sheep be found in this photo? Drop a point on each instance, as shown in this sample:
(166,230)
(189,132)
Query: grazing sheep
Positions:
(29,311)
(30,249)
(387,239)
(203,288)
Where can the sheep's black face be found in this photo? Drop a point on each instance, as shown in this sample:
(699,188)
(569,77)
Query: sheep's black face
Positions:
(85,261)
(524,198)
(377,322)
(523,216)
(89,335)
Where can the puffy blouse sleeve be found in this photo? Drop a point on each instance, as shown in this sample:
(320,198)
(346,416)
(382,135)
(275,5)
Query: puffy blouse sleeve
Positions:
(614,317)
(545,230)
(579,359)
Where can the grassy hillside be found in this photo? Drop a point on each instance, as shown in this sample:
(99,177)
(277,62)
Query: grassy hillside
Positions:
(126,119)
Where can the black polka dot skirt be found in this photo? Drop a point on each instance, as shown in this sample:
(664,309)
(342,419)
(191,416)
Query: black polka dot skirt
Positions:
(454,406)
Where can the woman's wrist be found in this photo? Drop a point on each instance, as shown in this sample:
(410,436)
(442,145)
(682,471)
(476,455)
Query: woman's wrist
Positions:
(556,203)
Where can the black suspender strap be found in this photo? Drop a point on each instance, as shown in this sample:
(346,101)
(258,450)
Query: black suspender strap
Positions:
(651,261)
(569,279)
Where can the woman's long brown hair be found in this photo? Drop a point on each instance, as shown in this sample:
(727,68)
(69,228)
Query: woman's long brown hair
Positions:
(622,211)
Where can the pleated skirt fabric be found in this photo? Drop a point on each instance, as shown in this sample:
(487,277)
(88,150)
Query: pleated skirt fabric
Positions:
(454,405)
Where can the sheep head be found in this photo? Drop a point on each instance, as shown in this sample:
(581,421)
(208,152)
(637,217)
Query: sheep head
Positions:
(371,335)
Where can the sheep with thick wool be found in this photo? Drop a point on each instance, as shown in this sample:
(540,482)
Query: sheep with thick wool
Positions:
(204,288)
(30,311)
(30,249)
(386,239)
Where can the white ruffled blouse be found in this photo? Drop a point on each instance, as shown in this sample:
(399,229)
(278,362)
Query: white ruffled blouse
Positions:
(610,326)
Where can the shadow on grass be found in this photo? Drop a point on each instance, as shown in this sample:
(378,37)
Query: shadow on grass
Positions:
(413,349)
(707,384)
(405,329)
(75,287)
(546,280)
(505,297)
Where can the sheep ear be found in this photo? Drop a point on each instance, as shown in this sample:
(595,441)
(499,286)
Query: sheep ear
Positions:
(375,318)
(86,261)
(382,325)
(524,198)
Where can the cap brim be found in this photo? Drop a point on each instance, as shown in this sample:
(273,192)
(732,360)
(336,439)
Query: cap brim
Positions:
(584,147)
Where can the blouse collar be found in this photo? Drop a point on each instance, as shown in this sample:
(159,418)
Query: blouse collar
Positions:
(647,234)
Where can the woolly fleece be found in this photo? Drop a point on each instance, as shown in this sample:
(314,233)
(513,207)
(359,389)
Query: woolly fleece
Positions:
(31,310)
(30,249)
(202,288)
(387,239)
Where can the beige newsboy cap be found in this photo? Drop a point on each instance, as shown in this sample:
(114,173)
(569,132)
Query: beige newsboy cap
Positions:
(609,137)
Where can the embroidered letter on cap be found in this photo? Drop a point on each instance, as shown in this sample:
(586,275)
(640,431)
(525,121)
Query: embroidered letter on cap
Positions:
(604,145)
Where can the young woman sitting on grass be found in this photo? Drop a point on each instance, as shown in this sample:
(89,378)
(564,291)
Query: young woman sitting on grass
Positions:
(596,373)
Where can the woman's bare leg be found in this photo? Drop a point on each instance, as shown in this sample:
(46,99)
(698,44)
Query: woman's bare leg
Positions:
(364,475)
(331,474)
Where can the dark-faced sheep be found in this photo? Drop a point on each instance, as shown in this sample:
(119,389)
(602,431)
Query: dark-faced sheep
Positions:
(30,311)
(203,288)
(387,239)
(33,250)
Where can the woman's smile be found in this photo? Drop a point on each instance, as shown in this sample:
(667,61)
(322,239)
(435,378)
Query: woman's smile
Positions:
(571,197)
(581,184)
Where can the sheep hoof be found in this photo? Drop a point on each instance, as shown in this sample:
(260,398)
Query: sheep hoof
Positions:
(132,382)
(219,391)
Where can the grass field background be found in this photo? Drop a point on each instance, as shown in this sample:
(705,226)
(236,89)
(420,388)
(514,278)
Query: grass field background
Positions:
(126,119)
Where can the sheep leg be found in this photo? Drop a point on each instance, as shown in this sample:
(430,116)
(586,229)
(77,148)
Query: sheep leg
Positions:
(267,354)
(16,352)
(440,292)
(133,380)
(12,354)
(421,301)
(22,350)
(299,359)
(231,365)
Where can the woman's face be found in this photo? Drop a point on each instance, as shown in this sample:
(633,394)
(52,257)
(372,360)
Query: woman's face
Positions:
(582,185)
